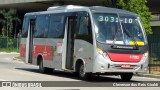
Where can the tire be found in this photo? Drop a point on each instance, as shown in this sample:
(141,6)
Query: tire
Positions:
(82,73)
(126,76)
(43,69)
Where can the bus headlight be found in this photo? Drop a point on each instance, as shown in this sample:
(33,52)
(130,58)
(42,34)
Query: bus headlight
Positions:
(145,54)
(100,51)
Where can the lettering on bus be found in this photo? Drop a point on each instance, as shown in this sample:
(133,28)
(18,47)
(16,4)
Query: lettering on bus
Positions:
(134,57)
(114,19)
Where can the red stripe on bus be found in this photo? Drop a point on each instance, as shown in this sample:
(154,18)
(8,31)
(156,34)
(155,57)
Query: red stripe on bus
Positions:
(125,57)
(43,50)
(23,50)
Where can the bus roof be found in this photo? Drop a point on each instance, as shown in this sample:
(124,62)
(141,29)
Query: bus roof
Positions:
(69,8)
(109,10)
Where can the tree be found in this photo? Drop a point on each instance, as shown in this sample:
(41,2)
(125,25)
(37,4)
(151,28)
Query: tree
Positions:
(8,18)
(7,22)
(3,28)
(139,7)
(110,3)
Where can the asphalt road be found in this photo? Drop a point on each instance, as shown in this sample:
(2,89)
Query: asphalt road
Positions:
(13,70)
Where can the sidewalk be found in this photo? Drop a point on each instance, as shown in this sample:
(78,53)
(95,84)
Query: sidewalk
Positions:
(9,53)
(150,76)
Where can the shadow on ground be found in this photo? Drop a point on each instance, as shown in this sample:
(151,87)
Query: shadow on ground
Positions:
(95,78)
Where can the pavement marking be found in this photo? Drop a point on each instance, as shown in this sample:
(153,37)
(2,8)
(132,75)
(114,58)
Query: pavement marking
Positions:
(6,58)
(18,61)
(3,80)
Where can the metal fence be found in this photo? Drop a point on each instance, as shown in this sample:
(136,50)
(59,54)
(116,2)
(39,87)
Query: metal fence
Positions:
(12,43)
(154,53)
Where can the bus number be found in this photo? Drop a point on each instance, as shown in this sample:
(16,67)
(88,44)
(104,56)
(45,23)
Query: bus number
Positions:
(114,19)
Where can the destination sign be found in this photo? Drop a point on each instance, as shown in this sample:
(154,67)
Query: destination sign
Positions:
(108,18)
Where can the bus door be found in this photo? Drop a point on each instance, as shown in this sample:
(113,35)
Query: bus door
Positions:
(30,39)
(71,28)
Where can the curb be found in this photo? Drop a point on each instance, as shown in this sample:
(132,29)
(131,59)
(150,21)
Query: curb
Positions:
(150,76)
(16,59)
(9,53)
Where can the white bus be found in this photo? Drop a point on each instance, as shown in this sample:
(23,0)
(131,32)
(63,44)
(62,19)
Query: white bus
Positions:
(85,40)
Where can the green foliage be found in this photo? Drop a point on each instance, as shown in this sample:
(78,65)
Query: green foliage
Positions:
(139,7)
(10,42)
(3,31)
(9,16)
(8,50)
(13,44)
(109,3)
(7,22)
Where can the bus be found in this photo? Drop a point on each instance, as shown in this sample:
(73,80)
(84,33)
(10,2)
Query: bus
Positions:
(88,41)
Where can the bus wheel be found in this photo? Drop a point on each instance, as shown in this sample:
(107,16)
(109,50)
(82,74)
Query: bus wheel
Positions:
(126,76)
(43,69)
(82,72)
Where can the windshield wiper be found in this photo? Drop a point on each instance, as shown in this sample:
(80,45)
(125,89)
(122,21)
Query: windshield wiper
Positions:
(129,35)
(115,36)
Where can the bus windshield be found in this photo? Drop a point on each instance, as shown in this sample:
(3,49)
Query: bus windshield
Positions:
(118,29)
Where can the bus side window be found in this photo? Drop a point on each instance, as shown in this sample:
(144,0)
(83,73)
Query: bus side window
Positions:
(83,26)
(84,31)
(41,26)
(25,27)
(56,26)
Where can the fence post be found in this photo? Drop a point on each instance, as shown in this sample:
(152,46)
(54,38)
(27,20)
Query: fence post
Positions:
(149,67)
(17,43)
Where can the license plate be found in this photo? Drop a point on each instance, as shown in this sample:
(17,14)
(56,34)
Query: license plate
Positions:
(125,66)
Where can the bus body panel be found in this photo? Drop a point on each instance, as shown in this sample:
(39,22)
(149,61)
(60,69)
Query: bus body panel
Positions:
(84,51)
(54,54)
(23,49)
